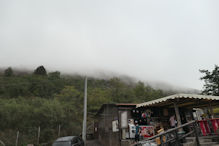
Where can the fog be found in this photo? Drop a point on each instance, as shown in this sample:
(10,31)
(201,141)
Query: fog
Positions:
(154,41)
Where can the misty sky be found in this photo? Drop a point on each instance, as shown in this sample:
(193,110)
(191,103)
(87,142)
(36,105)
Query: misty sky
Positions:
(167,41)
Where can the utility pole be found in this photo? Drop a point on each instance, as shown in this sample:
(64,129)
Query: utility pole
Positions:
(85,113)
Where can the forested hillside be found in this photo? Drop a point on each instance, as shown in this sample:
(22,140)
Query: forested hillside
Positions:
(50,100)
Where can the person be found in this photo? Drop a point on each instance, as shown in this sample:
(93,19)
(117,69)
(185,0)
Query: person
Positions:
(173,121)
(137,133)
(160,130)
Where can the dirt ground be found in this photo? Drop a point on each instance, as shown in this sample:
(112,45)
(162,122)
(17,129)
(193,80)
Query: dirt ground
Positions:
(93,143)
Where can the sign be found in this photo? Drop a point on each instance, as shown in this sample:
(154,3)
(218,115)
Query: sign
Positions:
(147,131)
(115,125)
(124,119)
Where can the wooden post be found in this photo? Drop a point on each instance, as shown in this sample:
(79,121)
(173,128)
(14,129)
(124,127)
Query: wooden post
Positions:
(38,136)
(177,138)
(211,110)
(211,116)
(16,143)
(196,134)
(59,130)
(179,123)
(177,114)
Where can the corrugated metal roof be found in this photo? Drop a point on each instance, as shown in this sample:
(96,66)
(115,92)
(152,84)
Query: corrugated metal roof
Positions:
(178,96)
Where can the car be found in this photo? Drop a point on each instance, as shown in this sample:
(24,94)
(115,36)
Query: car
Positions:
(69,141)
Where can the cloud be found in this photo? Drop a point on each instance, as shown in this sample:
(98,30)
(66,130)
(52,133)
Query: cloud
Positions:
(166,41)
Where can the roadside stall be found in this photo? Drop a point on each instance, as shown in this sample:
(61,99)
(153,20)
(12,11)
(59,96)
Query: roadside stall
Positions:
(172,111)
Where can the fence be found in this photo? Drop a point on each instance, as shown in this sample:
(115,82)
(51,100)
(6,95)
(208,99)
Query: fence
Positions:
(32,135)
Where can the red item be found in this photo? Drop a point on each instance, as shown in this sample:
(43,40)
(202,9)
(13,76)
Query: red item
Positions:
(202,126)
(214,124)
(143,115)
(205,126)
(147,131)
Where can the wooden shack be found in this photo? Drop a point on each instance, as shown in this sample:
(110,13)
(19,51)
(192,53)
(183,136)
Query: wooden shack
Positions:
(112,124)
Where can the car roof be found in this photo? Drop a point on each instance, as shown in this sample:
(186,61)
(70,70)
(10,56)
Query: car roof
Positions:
(66,138)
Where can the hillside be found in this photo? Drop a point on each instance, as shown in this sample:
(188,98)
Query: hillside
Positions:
(48,100)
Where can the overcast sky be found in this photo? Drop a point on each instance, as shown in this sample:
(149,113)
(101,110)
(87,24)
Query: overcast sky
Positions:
(167,41)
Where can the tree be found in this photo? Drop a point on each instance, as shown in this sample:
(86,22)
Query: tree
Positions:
(211,79)
(8,72)
(139,90)
(54,75)
(97,97)
(72,101)
(40,71)
(41,87)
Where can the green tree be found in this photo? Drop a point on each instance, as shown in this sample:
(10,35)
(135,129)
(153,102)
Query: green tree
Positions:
(139,90)
(40,86)
(8,72)
(72,102)
(97,97)
(54,75)
(40,71)
(211,79)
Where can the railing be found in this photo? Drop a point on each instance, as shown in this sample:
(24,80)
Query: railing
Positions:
(2,143)
(209,126)
(173,136)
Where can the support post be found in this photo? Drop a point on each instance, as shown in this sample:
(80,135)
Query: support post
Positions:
(177,114)
(16,143)
(196,134)
(38,136)
(211,110)
(211,116)
(59,130)
(177,138)
(179,123)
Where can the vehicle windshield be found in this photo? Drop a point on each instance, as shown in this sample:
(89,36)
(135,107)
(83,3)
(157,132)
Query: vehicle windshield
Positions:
(62,143)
